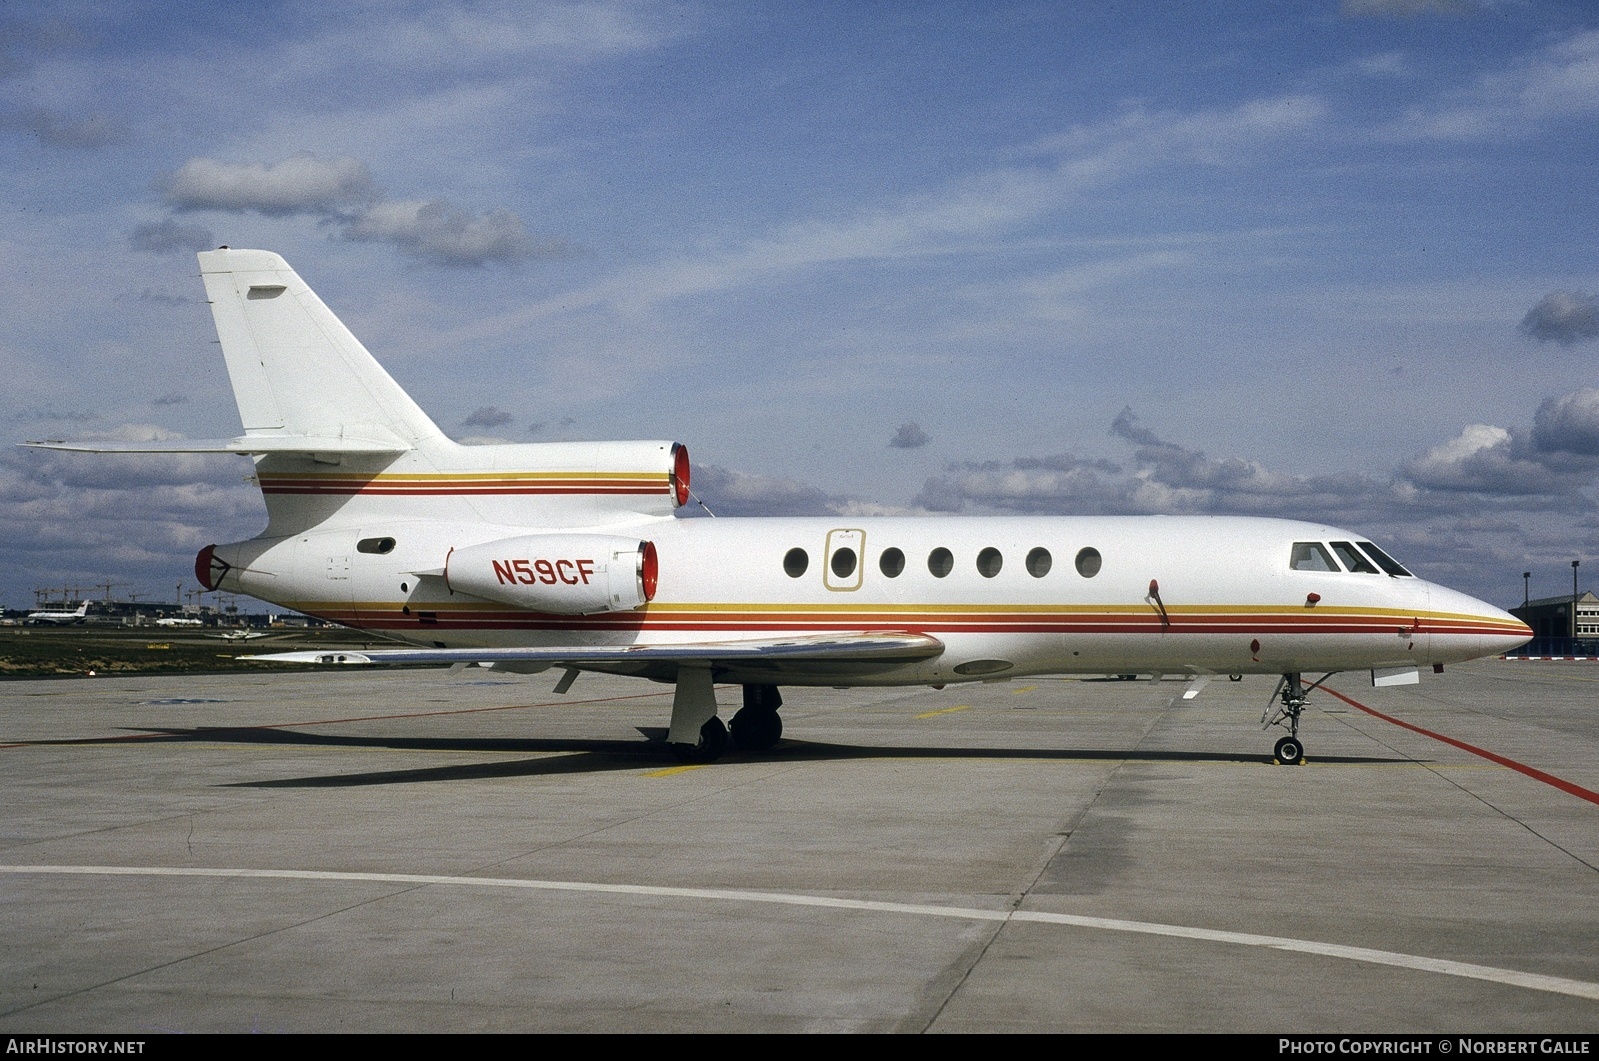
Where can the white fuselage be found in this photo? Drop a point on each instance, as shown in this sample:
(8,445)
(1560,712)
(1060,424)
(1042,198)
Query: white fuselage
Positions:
(1015,599)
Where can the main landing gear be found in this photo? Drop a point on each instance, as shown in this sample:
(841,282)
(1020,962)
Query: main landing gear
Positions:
(757,727)
(698,736)
(1286,704)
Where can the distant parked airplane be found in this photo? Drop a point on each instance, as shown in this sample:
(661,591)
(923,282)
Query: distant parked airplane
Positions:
(48,617)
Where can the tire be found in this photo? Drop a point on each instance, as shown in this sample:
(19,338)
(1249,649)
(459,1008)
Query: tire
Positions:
(1289,751)
(756,729)
(712,743)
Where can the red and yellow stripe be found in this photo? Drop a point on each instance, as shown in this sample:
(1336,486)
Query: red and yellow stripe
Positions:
(474,484)
(931,619)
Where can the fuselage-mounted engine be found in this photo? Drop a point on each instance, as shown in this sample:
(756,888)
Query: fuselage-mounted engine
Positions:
(561,574)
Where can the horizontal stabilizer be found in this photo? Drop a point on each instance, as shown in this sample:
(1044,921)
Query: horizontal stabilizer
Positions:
(243,444)
(849,648)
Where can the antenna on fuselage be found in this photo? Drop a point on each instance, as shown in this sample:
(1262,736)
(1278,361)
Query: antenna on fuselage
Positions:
(702,504)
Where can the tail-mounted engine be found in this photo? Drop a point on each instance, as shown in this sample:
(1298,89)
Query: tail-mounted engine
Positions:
(561,574)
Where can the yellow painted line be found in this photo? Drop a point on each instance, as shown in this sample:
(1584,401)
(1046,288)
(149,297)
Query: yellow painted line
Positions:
(944,711)
(670,770)
(1023,689)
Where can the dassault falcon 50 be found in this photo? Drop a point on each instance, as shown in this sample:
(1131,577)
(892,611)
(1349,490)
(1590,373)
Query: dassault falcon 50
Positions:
(523,557)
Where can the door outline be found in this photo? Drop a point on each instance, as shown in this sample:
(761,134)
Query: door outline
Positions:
(844,538)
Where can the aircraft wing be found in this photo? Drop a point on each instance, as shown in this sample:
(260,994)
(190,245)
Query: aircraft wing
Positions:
(882,649)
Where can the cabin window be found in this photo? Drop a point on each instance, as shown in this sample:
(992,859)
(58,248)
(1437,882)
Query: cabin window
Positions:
(1038,562)
(891,563)
(1088,561)
(375,545)
(940,562)
(1386,562)
(989,561)
(843,562)
(1311,556)
(795,562)
(1352,559)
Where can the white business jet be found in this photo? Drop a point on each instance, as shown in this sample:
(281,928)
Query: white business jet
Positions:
(530,556)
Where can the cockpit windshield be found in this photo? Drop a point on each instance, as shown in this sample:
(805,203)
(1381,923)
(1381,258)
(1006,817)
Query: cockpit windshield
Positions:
(1386,562)
(1352,558)
(1311,556)
(1314,556)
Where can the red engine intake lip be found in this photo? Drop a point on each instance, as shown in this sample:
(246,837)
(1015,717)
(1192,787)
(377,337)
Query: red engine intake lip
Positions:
(680,473)
(649,570)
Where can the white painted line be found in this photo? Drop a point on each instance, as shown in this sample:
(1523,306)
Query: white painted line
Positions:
(1532,981)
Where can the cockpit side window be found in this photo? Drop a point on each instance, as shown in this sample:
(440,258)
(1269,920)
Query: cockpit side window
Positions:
(1352,558)
(1311,556)
(1386,562)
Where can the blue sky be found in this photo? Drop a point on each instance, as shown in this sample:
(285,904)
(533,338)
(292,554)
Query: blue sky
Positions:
(1325,260)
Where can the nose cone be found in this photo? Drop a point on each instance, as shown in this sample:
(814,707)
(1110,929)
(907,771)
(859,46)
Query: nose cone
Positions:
(1466,628)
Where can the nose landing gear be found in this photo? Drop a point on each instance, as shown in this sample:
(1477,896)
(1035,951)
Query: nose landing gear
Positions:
(1286,704)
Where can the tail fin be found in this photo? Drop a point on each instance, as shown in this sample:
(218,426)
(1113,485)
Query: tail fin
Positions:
(296,369)
(335,439)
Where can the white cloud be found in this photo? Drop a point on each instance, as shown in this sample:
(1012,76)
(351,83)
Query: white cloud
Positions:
(300,185)
(1561,81)
(1482,459)
(137,520)
(1569,424)
(733,493)
(341,191)
(441,233)
(1564,317)
(963,216)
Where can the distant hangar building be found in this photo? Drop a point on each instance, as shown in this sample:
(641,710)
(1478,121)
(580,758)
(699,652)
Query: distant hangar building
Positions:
(1551,616)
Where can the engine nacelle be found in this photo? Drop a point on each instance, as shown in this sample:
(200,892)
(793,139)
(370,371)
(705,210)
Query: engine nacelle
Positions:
(563,574)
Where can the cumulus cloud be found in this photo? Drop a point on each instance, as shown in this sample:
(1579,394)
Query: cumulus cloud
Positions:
(440,232)
(1482,459)
(303,184)
(1061,483)
(488,416)
(1568,424)
(1483,468)
(909,435)
(1564,317)
(168,236)
(136,520)
(733,493)
(340,192)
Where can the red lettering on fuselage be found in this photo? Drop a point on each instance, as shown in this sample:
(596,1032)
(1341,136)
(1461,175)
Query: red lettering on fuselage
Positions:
(549,572)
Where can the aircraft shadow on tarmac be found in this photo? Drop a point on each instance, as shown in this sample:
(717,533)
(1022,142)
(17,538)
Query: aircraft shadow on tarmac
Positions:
(596,756)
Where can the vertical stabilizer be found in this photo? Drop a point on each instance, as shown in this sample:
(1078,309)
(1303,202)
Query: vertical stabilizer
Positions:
(296,369)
